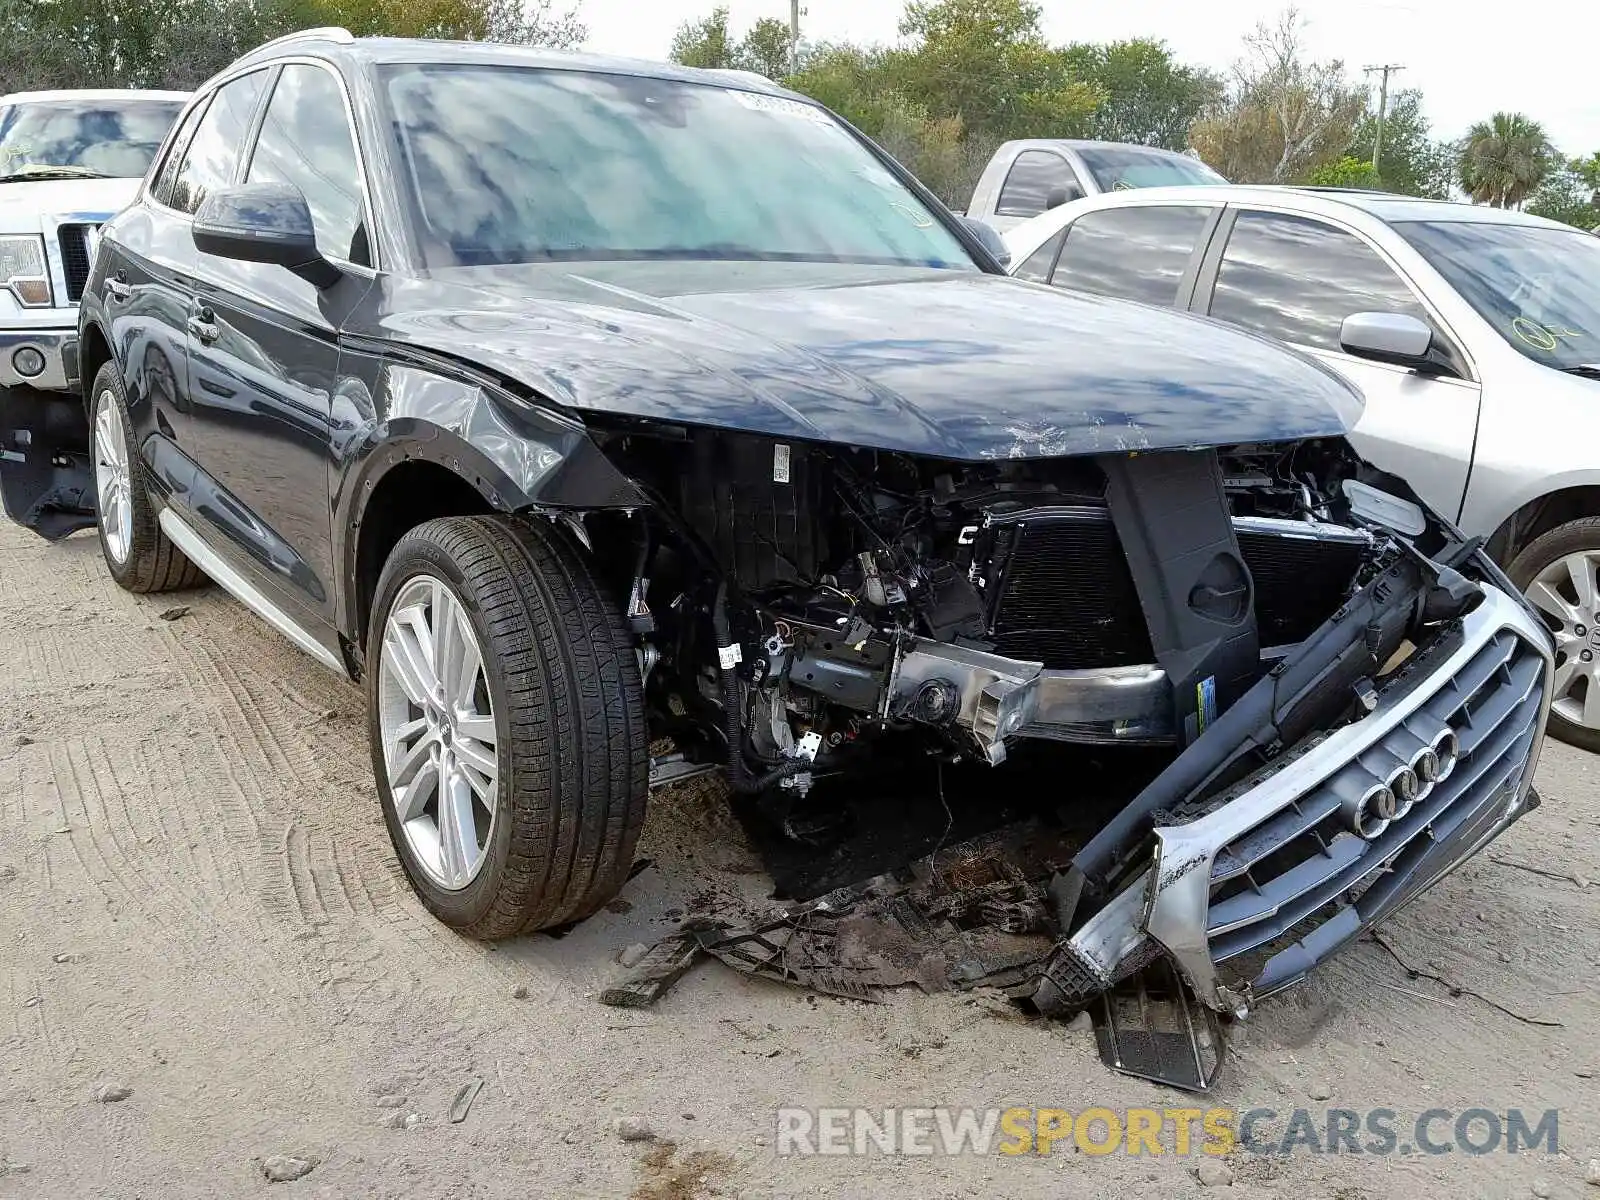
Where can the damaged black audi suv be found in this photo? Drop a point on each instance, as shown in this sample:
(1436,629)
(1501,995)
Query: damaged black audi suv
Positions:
(611,422)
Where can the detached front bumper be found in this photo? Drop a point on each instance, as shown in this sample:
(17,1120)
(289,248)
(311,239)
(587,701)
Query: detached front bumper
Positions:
(1252,895)
(58,348)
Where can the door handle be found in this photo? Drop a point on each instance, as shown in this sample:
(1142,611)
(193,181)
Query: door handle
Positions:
(118,287)
(203,326)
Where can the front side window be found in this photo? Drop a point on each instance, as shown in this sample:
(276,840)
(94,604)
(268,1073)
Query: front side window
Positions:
(1539,287)
(514,164)
(1297,279)
(306,141)
(65,139)
(213,153)
(1037,177)
(1136,253)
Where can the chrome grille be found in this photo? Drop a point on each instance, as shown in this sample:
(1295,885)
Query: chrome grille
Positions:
(1292,889)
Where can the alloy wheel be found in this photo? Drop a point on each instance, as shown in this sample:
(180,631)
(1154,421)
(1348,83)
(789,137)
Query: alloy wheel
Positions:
(1568,594)
(112,478)
(436,719)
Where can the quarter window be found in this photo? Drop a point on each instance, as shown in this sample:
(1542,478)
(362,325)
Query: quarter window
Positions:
(1296,279)
(1136,253)
(306,141)
(180,143)
(1034,176)
(1037,267)
(213,155)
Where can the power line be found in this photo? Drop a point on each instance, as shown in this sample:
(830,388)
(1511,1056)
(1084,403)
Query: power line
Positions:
(1383,106)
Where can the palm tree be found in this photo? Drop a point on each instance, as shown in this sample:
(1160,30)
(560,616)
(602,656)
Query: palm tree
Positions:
(1504,159)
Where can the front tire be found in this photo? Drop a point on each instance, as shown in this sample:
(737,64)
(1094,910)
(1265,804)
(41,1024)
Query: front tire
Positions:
(137,553)
(1559,572)
(506,721)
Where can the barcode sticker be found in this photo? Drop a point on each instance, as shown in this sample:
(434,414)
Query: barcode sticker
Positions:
(780,463)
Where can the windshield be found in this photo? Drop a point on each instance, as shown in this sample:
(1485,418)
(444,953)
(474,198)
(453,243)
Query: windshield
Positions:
(512,164)
(114,138)
(1539,288)
(1118,168)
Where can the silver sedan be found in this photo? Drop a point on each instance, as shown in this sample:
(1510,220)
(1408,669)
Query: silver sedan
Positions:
(1474,332)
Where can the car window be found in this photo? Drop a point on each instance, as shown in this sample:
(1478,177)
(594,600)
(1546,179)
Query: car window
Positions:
(1035,174)
(306,141)
(1136,253)
(511,164)
(168,178)
(1297,279)
(1036,268)
(1537,285)
(1119,168)
(115,138)
(213,154)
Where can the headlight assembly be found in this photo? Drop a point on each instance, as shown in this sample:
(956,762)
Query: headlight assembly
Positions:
(22,270)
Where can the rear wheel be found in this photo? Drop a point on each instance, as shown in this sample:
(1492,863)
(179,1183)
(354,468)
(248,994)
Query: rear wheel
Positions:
(506,720)
(138,554)
(1559,572)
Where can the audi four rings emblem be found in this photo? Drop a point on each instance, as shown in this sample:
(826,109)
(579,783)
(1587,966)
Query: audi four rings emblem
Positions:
(1408,773)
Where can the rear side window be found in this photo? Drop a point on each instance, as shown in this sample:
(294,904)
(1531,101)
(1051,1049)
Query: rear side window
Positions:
(1135,253)
(306,141)
(212,156)
(1297,279)
(1034,176)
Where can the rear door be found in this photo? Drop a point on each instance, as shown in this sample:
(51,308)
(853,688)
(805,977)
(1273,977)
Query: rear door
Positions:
(1145,252)
(263,354)
(1296,278)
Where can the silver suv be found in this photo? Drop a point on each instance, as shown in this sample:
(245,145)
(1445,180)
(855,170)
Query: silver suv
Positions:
(1474,332)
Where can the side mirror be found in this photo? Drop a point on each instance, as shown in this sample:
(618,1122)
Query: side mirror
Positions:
(263,223)
(1386,337)
(990,238)
(1057,196)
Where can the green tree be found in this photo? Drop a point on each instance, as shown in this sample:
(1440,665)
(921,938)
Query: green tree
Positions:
(1346,173)
(1145,94)
(987,62)
(1283,116)
(1414,162)
(1505,159)
(1567,195)
(767,48)
(705,43)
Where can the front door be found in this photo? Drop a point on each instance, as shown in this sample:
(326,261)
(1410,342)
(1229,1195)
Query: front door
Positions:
(1297,278)
(263,355)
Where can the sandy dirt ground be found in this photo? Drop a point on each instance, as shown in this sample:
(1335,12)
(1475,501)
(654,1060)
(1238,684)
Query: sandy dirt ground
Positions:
(198,902)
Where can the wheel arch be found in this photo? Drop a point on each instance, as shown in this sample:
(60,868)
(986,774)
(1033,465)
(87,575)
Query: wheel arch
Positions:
(1541,514)
(94,351)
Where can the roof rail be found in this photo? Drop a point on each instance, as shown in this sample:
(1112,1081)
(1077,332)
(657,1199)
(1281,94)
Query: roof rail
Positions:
(327,33)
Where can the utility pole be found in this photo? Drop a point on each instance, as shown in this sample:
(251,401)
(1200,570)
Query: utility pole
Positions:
(1383,107)
(794,36)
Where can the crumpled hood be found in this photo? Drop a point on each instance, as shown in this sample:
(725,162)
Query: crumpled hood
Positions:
(951,364)
(23,203)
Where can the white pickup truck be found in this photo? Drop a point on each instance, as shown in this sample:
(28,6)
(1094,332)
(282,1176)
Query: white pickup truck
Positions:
(1026,178)
(69,160)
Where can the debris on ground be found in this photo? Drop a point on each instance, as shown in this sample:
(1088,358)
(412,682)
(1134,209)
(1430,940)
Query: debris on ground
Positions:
(110,1093)
(1592,1175)
(391,1100)
(286,1168)
(520,992)
(1213,1172)
(176,612)
(631,1129)
(462,1104)
(632,954)
(668,1177)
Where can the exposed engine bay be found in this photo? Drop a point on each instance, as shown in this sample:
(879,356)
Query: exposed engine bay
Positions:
(1247,614)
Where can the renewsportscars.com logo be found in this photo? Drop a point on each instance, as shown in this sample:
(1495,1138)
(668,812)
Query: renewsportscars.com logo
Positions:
(1160,1131)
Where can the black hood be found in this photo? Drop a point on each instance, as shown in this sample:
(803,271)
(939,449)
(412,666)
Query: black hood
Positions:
(953,364)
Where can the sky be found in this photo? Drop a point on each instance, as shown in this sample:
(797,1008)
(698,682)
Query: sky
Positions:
(1469,60)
